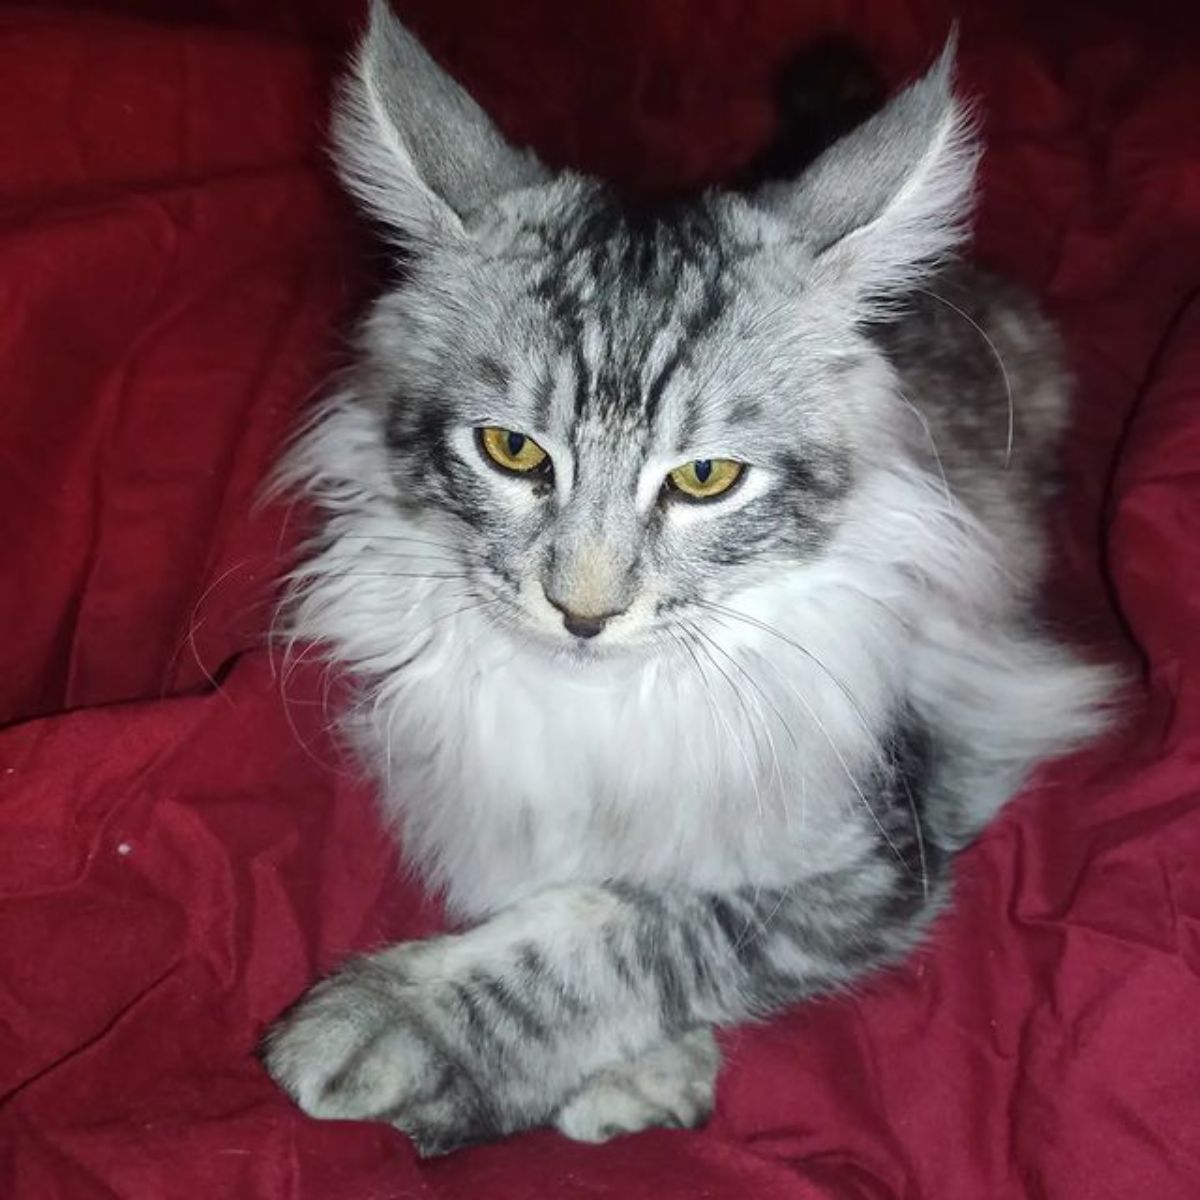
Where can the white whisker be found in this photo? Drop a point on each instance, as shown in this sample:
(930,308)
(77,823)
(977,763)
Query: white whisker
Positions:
(937,456)
(751,773)
(777,770)
(1008,449)
(824,731)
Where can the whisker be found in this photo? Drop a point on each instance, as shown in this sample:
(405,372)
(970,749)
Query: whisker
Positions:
(821,725)
(396,575)
(397,556)
(920,832)
(752,919)
(877,754)
(999,362)
(290,665)
(331,537)
(763,923)
(753,683)
(446,616)
(194,624)
(816,720)
(682,639)
(733,737)
(797,646)
(778,770)
(937,456)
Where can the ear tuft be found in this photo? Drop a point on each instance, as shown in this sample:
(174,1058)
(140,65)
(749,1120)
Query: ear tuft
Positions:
(412,145)
(882,206)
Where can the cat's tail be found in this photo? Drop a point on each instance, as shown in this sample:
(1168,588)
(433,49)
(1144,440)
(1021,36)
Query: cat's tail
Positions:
(821,94)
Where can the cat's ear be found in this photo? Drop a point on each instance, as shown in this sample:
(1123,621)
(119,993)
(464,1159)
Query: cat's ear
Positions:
(412,145)
(891,198)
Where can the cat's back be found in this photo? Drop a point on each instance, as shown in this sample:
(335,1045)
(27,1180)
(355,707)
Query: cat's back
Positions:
(984,371)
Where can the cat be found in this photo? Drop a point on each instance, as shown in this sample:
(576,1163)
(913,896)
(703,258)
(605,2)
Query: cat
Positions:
(685,557)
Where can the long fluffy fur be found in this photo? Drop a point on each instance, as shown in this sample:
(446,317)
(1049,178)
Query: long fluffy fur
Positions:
(814,692)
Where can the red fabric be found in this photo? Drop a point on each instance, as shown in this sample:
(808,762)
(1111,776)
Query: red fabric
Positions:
(181,846)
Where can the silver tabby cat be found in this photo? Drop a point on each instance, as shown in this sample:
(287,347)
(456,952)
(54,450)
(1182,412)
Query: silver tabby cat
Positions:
(684,556)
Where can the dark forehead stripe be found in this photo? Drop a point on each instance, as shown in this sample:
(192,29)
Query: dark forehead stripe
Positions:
(492,372)
(629,272)
(642,245)
(699,321)
(543,394)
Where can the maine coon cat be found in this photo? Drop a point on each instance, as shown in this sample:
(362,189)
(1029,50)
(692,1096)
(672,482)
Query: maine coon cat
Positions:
(684,557)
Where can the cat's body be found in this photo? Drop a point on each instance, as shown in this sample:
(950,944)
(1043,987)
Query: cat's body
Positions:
(510,768)
(737,776)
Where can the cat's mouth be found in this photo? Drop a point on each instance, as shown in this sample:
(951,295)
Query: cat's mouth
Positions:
(615,642)
(585,651)
(528,617)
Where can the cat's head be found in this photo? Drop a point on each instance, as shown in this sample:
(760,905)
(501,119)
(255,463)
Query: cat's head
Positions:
(612,415)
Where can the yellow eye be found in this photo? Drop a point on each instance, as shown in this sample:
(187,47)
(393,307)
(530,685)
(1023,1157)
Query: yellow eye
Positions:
(705,478)
(512,451)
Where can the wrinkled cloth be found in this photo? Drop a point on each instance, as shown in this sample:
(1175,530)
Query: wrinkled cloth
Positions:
(183,844)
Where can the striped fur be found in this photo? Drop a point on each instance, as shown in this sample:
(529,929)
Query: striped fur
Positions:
(748,788)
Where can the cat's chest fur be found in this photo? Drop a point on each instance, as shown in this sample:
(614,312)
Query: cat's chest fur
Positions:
(508,771)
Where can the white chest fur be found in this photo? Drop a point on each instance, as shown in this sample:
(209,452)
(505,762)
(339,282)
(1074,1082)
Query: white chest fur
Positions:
(508,770)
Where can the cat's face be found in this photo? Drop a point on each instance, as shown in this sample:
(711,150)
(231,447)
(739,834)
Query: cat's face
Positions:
(609,421)
(617,419)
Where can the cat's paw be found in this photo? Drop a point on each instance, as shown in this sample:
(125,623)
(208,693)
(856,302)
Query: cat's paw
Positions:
(358,1047)
(672,1085)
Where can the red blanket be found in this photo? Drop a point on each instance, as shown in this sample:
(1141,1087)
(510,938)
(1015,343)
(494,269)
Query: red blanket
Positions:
(182,845)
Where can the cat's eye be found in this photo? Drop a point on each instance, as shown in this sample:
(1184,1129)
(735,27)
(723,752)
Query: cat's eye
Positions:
(705,478)
(512,451)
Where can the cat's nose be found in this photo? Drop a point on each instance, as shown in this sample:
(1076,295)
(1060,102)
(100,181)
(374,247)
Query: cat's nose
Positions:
(583,625)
